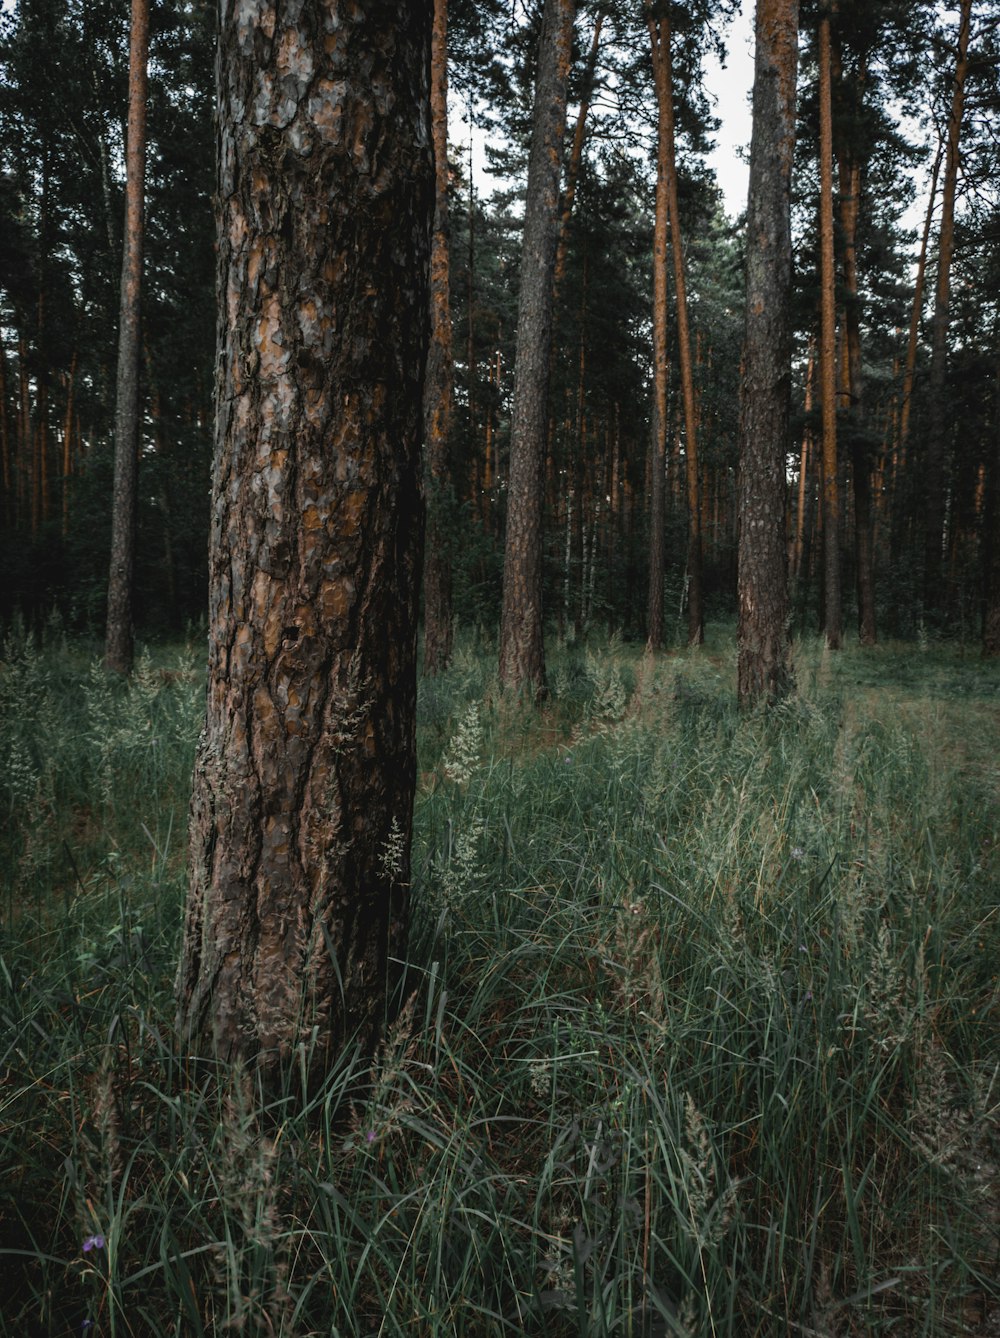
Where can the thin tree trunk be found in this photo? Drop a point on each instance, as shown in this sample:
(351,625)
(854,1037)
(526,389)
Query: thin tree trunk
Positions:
(522,655)
(305,772)
(661,374)
(827,357)
(119,644)
(25,454)
(5,450)
(915,315)
(852,390)
(660,44)
(934,468)
(67,463)
(576,157)
(805,461)
(763,672)
(438,385)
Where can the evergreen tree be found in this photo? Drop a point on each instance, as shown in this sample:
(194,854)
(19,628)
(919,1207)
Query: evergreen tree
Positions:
(304,782)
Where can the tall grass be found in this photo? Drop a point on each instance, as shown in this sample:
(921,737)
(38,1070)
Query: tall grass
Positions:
(699,1034)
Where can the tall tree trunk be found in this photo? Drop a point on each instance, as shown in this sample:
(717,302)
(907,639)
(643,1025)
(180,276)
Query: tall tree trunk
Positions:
(661,377)
(119,645)
(916,312)
(438,386)
(305,771)
(67,461)
(6,459)
(576,157)
(522,654)
(827,356)
(805,463)
(763,672)
(660,41)
(934,463)
(852,391)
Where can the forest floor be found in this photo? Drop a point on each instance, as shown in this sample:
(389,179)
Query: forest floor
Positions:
(700,1033)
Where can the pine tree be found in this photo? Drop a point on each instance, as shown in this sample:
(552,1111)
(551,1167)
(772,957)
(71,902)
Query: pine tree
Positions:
(763,668)
(305,774)
(522,655)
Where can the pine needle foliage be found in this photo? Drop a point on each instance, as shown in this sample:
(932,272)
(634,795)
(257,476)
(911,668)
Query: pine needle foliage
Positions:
(698,1033)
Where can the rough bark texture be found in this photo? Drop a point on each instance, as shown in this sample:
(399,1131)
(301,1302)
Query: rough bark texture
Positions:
(832,615)
(762,636)
(438,386)
(118,647)
(305,771)
(522,655)
(660,40)
(939,415)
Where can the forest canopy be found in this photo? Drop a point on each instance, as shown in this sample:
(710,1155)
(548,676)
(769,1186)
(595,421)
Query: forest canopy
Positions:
(914,358)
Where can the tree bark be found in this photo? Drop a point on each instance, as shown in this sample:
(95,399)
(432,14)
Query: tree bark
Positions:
(522,653)
(660,41)
(763,673)
(849,169)
(118,644)
(832,624)
(305,772)
(438,386)
(934,462)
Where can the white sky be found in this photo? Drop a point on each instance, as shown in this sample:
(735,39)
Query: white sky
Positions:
(730,89)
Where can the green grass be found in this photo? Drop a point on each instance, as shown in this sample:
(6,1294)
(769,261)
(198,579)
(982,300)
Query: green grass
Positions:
(701,1031)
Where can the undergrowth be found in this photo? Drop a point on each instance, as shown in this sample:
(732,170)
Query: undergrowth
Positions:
(700,1031)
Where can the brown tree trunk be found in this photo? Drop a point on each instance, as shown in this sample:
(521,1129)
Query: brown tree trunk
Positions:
(305,771)
(438,385)
(850,182)
(661,375)
(805,463)
(763,672)
(915,316)
(576,157)
(660,40)
(934,460)
(522,654)
(119,645)
(827,354)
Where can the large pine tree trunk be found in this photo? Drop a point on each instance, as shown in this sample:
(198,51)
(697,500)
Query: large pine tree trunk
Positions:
(438,387)
(305,771)
(934,468)
(762,637)
(522,654)
(118,645)
(832,614)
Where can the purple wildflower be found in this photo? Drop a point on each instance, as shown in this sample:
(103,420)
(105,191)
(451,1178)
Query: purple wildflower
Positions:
(93,1243)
